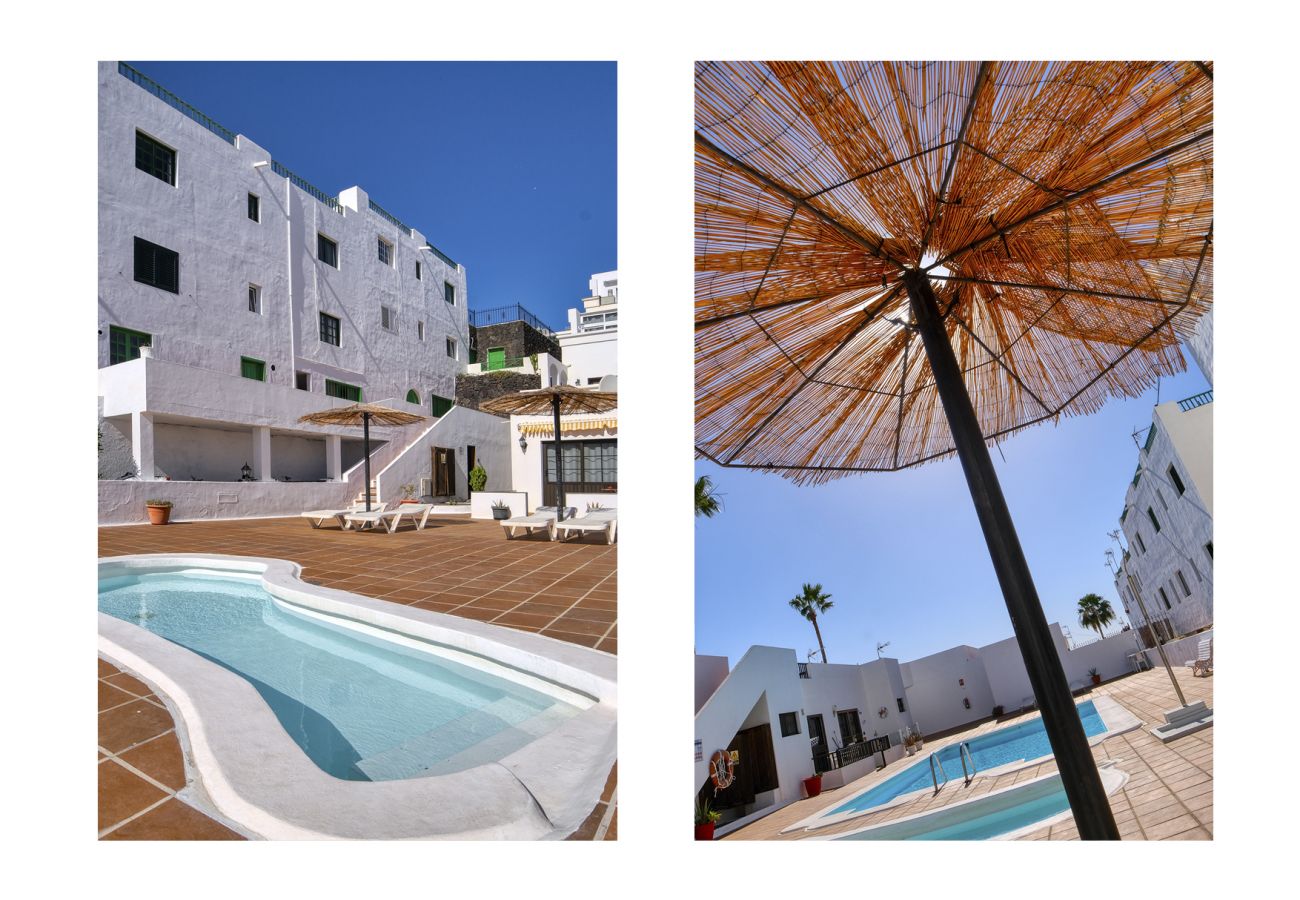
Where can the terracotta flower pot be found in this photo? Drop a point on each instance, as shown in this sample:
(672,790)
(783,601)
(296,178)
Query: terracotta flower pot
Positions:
(705,832)
(158,515)
(813,785)
(1096,679)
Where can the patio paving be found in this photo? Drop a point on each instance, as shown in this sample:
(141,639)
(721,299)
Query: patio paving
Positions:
(1169,794)
(567,591)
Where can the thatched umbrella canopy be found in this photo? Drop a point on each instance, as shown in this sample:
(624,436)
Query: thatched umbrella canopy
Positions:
(557,400)
(363,414)
(898,261)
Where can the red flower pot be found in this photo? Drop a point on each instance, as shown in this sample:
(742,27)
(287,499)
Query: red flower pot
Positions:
(1096,679)
(158,515)
(705,832)
(813,785)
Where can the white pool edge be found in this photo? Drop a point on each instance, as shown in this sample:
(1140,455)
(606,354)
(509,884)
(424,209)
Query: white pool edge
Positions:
(256,775)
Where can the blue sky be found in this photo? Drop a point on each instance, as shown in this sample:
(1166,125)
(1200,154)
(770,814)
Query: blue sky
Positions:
(902,554)
(508,168)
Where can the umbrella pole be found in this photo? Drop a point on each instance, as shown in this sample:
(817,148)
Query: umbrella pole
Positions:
(1083,787)
(559,460)
(365,433)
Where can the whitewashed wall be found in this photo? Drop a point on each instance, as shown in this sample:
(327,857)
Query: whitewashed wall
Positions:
(935,694)
(710,671)
(455,430)
(122,502)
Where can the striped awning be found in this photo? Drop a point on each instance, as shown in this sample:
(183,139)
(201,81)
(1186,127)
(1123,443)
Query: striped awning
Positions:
(568,425)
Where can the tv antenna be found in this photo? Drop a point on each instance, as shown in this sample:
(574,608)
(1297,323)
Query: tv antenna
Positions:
(880,646)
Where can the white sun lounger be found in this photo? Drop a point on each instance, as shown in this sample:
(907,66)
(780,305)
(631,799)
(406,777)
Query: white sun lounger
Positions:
(390,519)
(318,517)
(542,518)
(605,520)
(1204,661)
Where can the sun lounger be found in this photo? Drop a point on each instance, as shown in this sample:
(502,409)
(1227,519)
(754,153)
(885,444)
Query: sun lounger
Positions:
(418,513)
(543,518)
(1204,662)
(318,517)
(598,520)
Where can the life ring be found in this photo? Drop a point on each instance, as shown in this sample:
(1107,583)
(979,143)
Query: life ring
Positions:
(722,770)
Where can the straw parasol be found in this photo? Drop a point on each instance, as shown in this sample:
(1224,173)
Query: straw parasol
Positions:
(896,262)
(557,400)
(363,414)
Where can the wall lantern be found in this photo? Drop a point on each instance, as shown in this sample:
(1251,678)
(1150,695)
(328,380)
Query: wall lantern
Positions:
(961,682)
(965,701)
(523,442)
(246,472)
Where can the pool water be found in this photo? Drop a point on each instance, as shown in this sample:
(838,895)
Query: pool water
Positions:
(361,708)
(1025,741)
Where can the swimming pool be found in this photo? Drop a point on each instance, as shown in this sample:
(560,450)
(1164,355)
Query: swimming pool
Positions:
(1026,741)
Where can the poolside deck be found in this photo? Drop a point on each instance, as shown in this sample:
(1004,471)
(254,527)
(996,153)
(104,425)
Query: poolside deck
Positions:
(456,566)
(1169,794)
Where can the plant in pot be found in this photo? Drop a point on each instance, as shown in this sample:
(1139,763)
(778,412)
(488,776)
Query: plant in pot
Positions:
(500,510)
(997,712)
(408,493)
(706,819)
(159,511)
(813,785)
(909,742)
(477,477)
(1096,676)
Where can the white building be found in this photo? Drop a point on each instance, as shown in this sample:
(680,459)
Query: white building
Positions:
(590,345)
(234,297)
(788,719)
(1168,521)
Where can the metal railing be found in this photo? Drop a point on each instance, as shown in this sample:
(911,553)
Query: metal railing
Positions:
(847,755)
(934,760)
(1151,436)
(175,102)
(499,315)
(803,670)
(385,214)
(505,362)
(963,750)
(1196,400)
(306,186)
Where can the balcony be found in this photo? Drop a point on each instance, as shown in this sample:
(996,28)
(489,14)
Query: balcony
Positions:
(838,759)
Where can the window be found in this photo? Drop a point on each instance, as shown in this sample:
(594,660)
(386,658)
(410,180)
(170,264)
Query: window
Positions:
(327,251)
(254,299)
(440,406)
(850,726)
(124,344)
(387,319)
(1165,598)
(157,266)
(385,252)
(419,330)
(1209,550)
(342,391)
(254,207)
(329,329)
(302,381)
(789,724)
(451,348)
(157,159)
(252,368)
(1151,514)
(901,707)
(412,397)
(449,292)
(589,467)
(418,271)
(1182,582)
(1176,481)
(1137,539)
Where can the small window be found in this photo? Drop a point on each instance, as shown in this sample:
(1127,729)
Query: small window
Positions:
(254,299)
(1165,598)
(901,707)
(451,348)
(1176,481)
(302,381)
(124,344)
(252,368)
(439,406)
(1151,514)
(255,207)
(157,159)
(1209,550)
(387,319)
(327,251)
(342,391)
(329,329)
(789,724)
(412,397)
(157,266)
(419,330)
(449,292)
(1182,582)
(1137,539)
(419,272)
(385,252)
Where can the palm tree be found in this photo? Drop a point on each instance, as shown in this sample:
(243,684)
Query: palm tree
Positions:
(808,604)
(708,502)
(1095,612)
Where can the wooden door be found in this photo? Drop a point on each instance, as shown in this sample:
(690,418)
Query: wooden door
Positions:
(444,472)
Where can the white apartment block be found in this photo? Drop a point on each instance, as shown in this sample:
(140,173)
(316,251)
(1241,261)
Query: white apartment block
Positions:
(590,345)
(1168,521)
(234,296)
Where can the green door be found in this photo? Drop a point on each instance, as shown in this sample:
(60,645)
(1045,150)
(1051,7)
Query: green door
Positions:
(496,359)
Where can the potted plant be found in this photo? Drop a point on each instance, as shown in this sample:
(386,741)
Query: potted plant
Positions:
(500,510)
(997,712)
(159,511)
(1096,676)
(477,477)
(408,493)
(706,819)
(813,785)
(909,743)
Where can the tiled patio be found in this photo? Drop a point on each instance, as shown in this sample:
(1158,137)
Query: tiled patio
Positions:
(1169,794)
(567,591)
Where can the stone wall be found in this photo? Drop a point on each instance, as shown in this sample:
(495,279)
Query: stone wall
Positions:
(519,339)
(473,390)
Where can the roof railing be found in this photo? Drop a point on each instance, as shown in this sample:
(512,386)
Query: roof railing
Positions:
(385,214)
(1196,400)
(175,102)
(499,315)
(306,186)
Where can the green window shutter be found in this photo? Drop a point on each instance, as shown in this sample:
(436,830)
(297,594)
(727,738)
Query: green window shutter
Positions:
(252,368)
(124,344)
(412,397)
(440,406)
(342,391)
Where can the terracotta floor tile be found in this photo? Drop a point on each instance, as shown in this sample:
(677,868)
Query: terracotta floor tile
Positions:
(127,725)
(160,759)
(122,793)
(110,696)
(173,821)
(130,684)
(107,668)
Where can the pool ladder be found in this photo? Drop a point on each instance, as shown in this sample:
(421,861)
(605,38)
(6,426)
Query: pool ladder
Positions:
(934,776)
(936,766)
(963,750)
